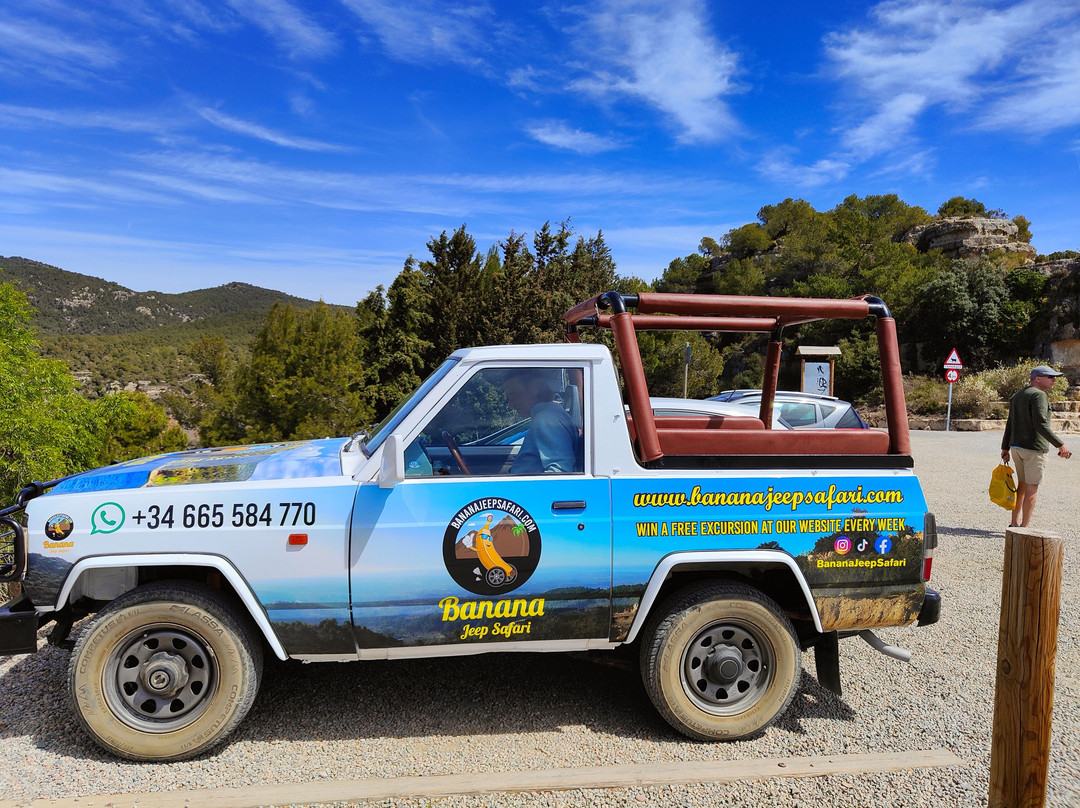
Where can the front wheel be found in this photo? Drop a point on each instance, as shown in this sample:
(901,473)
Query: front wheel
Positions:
(164,672)
(720,661)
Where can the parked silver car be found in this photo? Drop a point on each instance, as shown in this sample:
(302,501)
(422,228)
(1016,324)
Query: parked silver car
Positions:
(801,410)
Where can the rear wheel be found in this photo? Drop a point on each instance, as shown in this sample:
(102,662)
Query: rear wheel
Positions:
(720,661)
(164,672)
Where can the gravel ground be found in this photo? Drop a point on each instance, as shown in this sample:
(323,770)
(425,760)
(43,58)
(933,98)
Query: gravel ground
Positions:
(514,712)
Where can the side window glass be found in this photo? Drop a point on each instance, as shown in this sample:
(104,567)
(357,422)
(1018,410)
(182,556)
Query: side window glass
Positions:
(524,420)
(850,420)
(798,414)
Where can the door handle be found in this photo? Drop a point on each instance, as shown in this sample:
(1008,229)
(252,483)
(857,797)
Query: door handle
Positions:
(568,505)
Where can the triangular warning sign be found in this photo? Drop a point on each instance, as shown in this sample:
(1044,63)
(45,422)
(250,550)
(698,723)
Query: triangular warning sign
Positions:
(954,360)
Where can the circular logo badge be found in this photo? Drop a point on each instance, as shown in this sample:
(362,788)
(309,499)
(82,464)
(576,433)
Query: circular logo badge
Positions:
(491,546)
(59,526)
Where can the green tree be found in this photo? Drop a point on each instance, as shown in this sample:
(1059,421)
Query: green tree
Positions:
(965,208)
(1023,229)
(748,240)
(967,306)
(304,377)
(682,274)
(139,429)
(48,430)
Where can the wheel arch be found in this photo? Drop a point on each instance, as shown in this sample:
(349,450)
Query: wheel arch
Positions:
(114,575)
(772,572)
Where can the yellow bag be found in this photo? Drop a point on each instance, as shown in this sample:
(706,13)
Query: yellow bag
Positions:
(1002,487)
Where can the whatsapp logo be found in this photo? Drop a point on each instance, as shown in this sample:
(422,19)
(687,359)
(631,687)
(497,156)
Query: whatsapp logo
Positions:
(106,518)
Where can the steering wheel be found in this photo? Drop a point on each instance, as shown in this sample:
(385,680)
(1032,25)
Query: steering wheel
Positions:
(448,439)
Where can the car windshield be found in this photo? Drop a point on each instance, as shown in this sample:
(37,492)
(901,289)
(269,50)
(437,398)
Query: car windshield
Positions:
(388,424)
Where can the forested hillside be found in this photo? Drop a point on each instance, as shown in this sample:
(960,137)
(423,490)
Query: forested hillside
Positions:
(111,336)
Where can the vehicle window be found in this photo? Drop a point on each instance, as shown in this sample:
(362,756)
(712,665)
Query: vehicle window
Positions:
(517,420)
(798,413)
(826,410)
(388,424)
(850,420)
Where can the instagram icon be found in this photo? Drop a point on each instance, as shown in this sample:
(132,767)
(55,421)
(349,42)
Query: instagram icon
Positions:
(843,545)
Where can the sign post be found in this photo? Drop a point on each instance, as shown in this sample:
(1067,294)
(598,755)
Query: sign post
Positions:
(953,366)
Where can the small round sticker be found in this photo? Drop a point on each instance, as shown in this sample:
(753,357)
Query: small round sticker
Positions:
(59,526)
(491,546)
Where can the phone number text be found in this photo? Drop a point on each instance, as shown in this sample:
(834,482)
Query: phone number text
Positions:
(242,514)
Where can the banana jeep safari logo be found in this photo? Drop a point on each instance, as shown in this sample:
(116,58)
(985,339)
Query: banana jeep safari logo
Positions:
(491,546)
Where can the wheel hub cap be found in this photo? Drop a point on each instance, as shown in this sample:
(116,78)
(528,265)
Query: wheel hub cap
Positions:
(160,679)
(727,668)
(166,674)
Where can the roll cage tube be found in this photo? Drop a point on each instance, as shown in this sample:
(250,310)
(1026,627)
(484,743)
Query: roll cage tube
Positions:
(655,311)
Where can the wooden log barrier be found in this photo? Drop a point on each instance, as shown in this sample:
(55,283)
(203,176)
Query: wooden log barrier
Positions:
(1027,647)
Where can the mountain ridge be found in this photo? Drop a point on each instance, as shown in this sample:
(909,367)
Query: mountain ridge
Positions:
(69,303)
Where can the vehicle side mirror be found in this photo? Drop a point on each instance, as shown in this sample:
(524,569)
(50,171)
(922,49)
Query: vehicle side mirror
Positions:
(392,470)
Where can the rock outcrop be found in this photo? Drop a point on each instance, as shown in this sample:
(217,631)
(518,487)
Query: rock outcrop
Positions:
(969,238)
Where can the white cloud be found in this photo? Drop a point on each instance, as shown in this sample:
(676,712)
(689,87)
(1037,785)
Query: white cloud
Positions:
(25,117)
(1019,58)
(562,136)
(288,26)
(427,31)
(778,167)
(239,127)
(877,133)
(63,190)
(661,53)
(43,51)
(1047,93)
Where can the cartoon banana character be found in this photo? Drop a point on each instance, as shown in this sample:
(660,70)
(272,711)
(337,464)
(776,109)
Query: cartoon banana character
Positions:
(498,571)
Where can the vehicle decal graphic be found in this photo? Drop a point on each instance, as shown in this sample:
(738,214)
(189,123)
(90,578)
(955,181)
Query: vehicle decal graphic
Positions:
(107,518)
(271,461)
(59,526)
(491,546)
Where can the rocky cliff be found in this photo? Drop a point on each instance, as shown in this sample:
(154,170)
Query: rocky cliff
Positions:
(969,238)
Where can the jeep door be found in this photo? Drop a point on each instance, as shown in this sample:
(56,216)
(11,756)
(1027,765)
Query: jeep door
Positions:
(493,537)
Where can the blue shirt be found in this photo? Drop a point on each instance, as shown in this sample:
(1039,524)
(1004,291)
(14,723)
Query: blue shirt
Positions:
(550,445)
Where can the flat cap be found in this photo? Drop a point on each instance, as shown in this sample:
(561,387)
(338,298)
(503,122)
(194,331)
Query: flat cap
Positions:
(1044,370)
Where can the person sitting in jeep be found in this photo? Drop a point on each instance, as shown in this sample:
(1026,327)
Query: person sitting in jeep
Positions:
(551,444)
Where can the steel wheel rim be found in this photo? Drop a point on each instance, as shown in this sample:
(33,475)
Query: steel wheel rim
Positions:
(160,679)
(727,667)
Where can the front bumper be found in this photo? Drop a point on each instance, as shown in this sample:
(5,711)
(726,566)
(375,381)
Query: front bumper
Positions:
(931,608)
(18,627)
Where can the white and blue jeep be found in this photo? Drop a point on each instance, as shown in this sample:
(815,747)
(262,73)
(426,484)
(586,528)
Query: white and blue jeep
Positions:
(717,545)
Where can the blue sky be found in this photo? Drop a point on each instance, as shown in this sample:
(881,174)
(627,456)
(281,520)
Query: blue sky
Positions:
(313,146)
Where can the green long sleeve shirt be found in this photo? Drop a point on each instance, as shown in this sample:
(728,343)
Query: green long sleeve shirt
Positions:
(1029,422)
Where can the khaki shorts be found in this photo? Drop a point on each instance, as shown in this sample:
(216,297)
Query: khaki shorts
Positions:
(1030,465)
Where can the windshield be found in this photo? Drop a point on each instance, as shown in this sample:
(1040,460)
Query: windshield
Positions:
(388,424)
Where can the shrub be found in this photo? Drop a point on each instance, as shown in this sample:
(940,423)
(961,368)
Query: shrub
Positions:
(972,398)
(925,395)
(1005,381)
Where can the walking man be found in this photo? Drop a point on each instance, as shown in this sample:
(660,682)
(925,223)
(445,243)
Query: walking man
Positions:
(1028,435)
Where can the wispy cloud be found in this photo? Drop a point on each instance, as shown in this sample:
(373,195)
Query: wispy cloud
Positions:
(64,190)
(780,167)
(562,136)
(427,31)
(248,129)
(43,51)
(293,31)
(1046,94)
(958,55)
(23,117)
(661,53)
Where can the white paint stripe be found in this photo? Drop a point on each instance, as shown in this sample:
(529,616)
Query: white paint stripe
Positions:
(445,785)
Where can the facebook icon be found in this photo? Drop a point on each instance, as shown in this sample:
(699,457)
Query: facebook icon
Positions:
(883,545)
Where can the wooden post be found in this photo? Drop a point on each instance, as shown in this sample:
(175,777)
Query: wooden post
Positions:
(1027,647)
